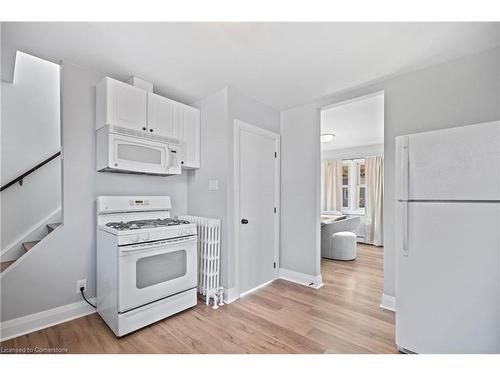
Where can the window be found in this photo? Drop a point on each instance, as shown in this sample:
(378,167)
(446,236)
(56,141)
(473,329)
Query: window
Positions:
(361,184)
(345,185)
(354,186)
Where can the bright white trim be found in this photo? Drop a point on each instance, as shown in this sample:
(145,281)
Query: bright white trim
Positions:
(388,302)
(37,321)
(256,288)
(230,295)
(301,278)
(14,250)
(239,126)
(355,152)
(353,100)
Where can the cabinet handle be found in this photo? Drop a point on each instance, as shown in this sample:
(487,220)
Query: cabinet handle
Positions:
(151,130)
(144,128)
(182,162)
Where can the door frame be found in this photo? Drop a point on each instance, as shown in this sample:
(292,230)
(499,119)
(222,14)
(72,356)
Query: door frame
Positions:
(240,126)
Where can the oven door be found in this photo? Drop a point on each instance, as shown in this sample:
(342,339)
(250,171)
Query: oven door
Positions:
(138,155)
(148,272)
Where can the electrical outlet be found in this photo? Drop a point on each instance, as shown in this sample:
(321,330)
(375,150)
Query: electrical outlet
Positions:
(79,284)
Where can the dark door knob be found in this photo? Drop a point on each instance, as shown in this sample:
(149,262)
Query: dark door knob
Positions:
(244,221)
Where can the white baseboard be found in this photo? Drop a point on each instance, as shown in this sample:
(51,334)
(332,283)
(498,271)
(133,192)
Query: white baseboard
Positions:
(34,322)
(301,278)
(230,295)
(14,250)
(388,302)
(255,289)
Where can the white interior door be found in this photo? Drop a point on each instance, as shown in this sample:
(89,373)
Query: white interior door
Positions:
(257,205)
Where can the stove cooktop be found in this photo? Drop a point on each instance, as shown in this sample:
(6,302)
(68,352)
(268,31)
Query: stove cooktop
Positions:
(143,224)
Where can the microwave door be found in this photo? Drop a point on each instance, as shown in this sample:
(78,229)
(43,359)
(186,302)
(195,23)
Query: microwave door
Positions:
(138,156)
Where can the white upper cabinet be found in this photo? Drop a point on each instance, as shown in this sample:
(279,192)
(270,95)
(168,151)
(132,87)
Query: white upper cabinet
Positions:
(163,116)
(120,104)
(189,134)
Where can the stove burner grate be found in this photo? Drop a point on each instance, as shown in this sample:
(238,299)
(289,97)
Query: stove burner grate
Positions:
(143,224)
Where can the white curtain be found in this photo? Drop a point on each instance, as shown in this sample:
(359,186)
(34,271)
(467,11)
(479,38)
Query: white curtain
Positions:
(331,185)
(375,200)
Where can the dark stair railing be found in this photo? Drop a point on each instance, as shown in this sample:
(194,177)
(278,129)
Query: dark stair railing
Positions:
(21,177)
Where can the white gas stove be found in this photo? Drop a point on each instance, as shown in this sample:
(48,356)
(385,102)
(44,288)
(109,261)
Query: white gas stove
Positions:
(146,261)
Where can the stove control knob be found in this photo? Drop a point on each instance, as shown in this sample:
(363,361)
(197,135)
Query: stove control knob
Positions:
(134,238)
(144,236)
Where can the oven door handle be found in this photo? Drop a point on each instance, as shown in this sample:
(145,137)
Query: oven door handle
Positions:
(166,244)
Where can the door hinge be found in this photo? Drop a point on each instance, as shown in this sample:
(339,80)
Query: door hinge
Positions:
(274,209)
(275,155)
(274,264)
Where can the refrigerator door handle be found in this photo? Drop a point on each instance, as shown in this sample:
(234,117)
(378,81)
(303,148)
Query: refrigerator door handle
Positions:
(405,167)
(404,227)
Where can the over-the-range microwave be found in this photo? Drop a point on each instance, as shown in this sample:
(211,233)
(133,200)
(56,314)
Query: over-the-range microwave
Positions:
(125,150)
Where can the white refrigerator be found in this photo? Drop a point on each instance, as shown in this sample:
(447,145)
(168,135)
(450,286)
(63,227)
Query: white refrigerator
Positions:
(448,240)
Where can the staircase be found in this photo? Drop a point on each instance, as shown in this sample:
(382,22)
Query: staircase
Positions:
(27,246)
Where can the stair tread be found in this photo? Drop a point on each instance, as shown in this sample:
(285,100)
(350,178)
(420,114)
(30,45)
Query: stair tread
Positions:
(5,265)
(28,245)
(52,226)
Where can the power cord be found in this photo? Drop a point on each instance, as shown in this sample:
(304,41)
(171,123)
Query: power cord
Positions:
(85,298)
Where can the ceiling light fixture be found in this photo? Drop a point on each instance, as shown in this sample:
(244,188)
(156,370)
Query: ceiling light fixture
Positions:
(325,138)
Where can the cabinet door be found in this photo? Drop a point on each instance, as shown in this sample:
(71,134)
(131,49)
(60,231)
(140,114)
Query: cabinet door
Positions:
(163,116)
(190,137)
(125,105)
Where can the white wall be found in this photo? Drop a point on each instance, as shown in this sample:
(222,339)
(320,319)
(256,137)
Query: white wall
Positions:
(218,113)
(46,278)
(300,190)
(30,128)
(30,115)
(214,164)
(353,152)
(459,92)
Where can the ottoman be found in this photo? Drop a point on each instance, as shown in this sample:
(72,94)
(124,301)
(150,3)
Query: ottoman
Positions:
(343,246)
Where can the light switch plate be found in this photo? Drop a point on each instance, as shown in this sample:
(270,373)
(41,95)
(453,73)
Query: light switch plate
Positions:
(213,185)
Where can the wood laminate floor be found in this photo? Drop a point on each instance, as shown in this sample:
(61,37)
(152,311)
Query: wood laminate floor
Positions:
(341,317)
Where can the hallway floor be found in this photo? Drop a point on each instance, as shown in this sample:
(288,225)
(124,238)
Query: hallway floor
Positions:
(341,317)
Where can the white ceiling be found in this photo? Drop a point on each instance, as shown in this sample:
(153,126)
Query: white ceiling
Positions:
(281,64)
(355,123)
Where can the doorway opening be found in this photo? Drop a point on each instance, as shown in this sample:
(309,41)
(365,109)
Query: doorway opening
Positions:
(352,180)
